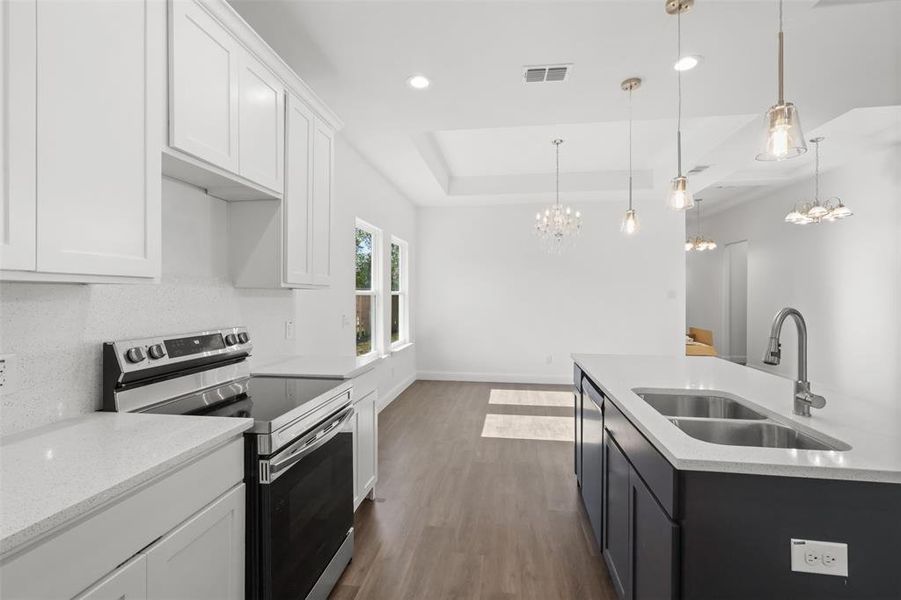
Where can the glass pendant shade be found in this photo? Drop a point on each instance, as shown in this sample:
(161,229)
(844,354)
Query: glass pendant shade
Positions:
(840,211)
(630,223)
(783,137)
(680,197)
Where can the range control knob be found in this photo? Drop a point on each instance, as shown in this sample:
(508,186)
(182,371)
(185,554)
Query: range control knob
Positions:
(156,351)
(231,339)
(134,355)
(243,337)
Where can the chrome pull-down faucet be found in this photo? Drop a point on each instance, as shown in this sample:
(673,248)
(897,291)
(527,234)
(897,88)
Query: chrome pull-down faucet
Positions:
(804,399)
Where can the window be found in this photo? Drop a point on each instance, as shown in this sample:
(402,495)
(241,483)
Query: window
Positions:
(367,287)
(400,320)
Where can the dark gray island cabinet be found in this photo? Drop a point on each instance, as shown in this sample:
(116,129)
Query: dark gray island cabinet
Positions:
(670,533)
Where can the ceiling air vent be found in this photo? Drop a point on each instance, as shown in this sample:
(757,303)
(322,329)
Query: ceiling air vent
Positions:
(545,73)
(699,169)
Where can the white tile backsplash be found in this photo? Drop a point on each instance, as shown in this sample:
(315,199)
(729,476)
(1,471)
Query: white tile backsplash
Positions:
(56,330)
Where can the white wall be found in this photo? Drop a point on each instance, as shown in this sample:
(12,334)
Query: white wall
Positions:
(326,317)
(56,330)
(844,277)
(493,306)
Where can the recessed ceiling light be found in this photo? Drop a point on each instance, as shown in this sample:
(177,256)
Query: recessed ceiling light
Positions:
(418,82)
(687,62)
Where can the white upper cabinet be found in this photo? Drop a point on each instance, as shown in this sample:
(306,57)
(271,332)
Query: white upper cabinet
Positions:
(83,104)
(225,106)
(100,71)
(262,124)
(297,210)
(17,127)
(323,184)
(204,65)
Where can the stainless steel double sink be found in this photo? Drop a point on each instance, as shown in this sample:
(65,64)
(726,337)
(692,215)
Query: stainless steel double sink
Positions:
(724,419)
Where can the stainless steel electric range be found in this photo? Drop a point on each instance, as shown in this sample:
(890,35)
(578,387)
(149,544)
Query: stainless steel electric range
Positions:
(299,453)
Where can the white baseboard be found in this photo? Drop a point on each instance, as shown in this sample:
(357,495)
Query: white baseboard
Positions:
(396,391)
(495,377)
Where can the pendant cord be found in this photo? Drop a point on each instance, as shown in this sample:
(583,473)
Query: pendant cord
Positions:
(630,148)
(781,59)
(698,201)
(558,174)
(816,179)
(679,91)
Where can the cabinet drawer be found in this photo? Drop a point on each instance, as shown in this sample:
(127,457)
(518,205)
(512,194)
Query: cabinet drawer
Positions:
(654,469)
(91,547)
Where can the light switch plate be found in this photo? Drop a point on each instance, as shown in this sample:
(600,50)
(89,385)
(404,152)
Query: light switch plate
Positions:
(823,558)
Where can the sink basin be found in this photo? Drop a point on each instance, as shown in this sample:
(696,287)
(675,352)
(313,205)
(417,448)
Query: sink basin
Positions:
(707,406)
(753,433)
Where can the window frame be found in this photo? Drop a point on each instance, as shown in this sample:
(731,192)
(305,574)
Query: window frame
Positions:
(403,293)
(375,288)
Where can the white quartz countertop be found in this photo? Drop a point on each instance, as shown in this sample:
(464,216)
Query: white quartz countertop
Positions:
(327,367)
(872,430)
(53,474)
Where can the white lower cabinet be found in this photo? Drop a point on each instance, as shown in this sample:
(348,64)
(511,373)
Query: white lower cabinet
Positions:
(128,582)
(180,537)
(365,446)
(204,557)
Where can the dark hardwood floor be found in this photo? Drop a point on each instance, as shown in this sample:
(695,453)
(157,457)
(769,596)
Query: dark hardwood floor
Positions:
(458,515)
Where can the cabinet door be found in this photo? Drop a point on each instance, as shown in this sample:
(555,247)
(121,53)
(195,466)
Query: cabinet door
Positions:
(323,161)
(592,474)
(617,505)
(297,205)
(261,124)
(654,539)
(128,582)
(203,86)
(100,82)
(17,135)
(365,460)
(204,557)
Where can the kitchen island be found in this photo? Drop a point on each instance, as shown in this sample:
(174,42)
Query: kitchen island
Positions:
(679,517)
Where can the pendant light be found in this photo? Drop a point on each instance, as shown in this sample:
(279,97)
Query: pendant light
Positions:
(679,196)
(699,242)
(783,137)
(558,225)
(816,211)
(630,223)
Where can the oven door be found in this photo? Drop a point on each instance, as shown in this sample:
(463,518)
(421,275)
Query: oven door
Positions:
(306,507)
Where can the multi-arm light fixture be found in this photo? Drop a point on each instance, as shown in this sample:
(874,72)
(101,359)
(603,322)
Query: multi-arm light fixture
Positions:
(816,211)
(558,225)
(699,242)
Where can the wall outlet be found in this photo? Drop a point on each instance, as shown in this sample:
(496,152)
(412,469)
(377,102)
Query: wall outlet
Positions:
(7,373)
(823,558)
(289,330)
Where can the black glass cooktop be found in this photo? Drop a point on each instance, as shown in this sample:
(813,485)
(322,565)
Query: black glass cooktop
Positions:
(264,399)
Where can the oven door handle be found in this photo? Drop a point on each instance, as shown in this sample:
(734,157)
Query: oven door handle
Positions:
(271,470)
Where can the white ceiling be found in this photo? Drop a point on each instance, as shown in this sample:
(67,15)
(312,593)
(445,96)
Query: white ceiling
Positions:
(479,135)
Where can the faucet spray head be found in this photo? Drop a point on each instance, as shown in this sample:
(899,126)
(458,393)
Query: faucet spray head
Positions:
(773,352)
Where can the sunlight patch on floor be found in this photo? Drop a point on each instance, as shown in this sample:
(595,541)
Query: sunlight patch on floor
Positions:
(531,398)
(528,427)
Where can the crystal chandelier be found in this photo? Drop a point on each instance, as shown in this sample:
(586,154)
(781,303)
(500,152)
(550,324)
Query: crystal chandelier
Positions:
(629,225)
(699,242)
(679,196)
(558,225)
(783,137)
(816,211)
